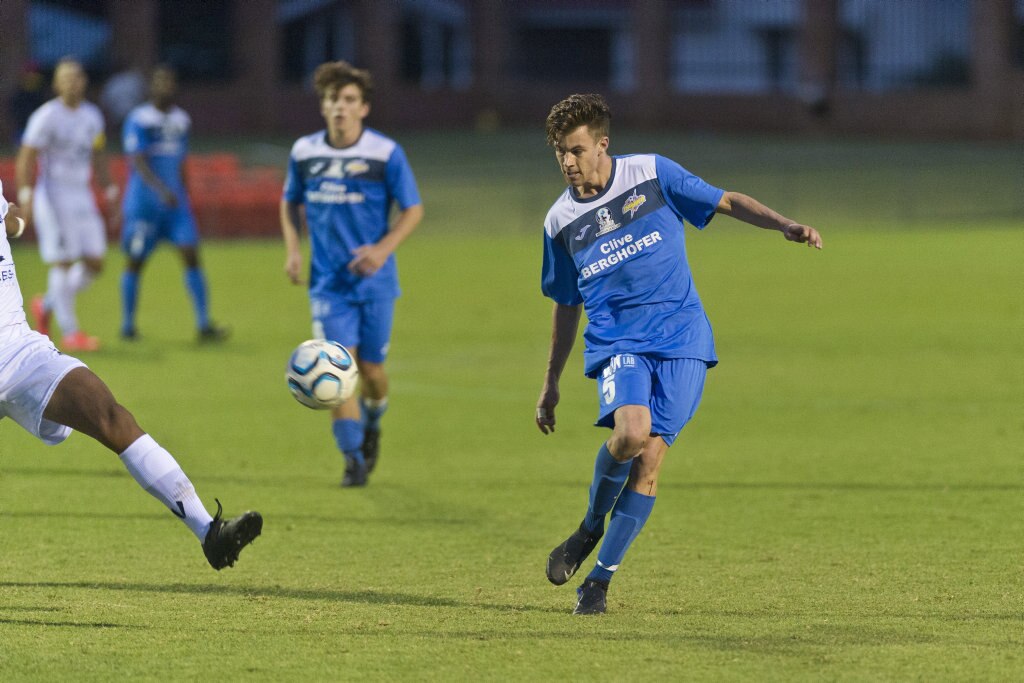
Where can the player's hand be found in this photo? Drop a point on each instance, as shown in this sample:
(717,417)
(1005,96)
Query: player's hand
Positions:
(168,198)
(293,268)
(795,232)
(545,415)
(368,259)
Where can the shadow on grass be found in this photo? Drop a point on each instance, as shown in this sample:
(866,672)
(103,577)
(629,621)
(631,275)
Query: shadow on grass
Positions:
(66,624)
(367,597)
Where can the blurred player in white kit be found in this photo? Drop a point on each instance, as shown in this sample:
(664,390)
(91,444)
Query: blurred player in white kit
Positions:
(50,394)
(65,139)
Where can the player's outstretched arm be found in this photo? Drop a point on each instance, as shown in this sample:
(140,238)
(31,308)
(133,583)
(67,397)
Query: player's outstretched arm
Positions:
(749,210)
(290,221)
(565,321)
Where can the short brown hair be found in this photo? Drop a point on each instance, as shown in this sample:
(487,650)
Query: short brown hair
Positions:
(578,110)
(336,75)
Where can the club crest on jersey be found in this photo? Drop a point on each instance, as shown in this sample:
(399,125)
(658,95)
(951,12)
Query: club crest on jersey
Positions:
(633,203)
(605,221)
(356,166)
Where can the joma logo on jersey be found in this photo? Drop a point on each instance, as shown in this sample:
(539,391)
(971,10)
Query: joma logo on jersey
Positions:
(605,221)
(633,202)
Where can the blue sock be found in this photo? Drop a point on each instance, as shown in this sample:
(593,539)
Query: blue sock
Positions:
(628,517)
(348,435)
(195,283)
(129,299)
(373,409)
(609,476)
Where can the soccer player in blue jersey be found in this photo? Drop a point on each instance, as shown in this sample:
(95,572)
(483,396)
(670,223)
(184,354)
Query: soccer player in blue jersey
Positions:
(347,178)
(156,203)
(614,244)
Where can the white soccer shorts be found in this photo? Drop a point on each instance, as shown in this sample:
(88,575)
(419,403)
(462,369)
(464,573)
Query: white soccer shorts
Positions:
(30,371)
(68,224)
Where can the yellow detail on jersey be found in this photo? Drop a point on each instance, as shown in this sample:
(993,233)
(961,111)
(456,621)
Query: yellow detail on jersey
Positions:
(99,142)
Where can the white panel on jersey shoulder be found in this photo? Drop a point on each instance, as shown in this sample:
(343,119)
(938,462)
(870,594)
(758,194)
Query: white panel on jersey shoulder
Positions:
(371,145)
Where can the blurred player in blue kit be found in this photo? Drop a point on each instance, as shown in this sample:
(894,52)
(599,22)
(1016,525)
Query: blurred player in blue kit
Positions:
(49,394)
(347,178)
(614,243)
(156,202)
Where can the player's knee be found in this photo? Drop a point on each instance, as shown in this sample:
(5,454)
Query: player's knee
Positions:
(626,443)
(373,373)
(116,425)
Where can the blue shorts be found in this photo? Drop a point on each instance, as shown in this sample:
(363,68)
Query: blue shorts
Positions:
(670,388)
(362,326)
(144,229)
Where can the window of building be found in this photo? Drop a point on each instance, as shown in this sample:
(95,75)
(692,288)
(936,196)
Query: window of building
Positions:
(195,37)
(314,32)
(435,50)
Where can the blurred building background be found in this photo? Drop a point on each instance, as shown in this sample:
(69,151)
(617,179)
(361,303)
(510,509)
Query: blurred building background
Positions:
(930,68)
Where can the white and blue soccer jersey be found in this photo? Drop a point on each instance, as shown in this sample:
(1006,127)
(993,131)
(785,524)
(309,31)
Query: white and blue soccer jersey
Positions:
(162,138)
(622,254)
(348,194)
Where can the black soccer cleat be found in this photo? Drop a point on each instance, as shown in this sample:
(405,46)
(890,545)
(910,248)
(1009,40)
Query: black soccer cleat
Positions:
(371,448)
(213,333)
(129,334)
(593,597)
(355,474)
(567,558)
(225,539)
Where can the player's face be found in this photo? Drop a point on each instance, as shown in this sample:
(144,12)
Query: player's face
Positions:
(579,155)
(69,81)
(163,85)
(344,110)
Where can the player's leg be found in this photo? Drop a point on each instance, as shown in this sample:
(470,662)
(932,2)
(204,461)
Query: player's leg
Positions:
(52,250)
(84,403)
(375,341)
(338,320)
(85,238)
(185,234)
(624,390)
(139,236)
(676,389)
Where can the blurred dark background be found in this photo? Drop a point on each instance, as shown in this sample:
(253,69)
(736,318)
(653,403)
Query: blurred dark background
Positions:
(919,68)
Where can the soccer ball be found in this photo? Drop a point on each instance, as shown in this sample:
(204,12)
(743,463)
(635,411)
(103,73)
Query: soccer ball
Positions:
(321,374)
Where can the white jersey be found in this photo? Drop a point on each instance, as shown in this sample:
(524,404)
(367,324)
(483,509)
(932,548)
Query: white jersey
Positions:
(66,139)
(12,307)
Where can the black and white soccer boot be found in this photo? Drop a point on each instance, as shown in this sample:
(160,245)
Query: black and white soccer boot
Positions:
(371,448)
(593,597)
(213,334)
(355,474)
(225,539)
(565,559)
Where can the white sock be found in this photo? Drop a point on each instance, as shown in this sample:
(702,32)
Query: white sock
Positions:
(159,474)
(62,299)
(79,277)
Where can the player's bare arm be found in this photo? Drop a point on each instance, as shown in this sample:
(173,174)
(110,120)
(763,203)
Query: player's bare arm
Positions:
(369,258)
(14,223)
(291,219)
(565,321)
(25,175)
(141,165)
(749,210)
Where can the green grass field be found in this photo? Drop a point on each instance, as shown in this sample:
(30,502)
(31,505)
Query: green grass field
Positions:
(847,504)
